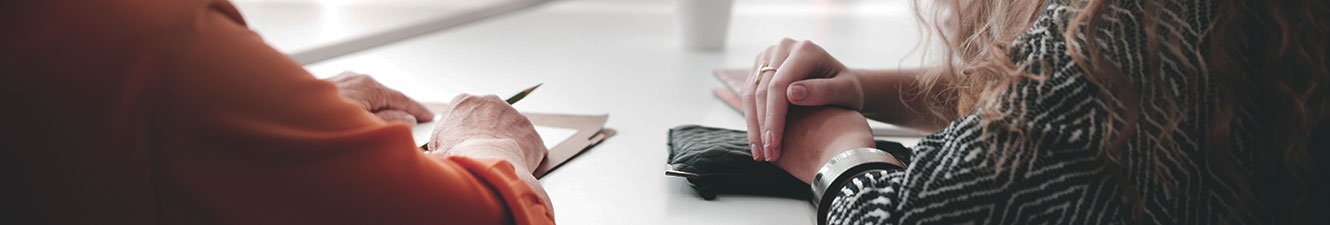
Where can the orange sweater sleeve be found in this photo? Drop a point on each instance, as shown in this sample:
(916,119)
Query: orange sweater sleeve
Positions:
(247,136)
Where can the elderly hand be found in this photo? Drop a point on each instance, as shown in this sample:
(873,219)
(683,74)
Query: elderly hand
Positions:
(487,127)
(804,74)
(816,134)
(388,104)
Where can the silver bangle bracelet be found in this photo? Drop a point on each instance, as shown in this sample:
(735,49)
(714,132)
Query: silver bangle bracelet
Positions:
(834,174)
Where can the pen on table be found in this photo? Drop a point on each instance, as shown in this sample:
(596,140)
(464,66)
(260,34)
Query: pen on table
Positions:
(510,101)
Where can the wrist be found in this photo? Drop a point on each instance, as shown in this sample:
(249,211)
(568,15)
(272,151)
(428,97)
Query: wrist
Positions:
(844,143)
(502,149)
(806,170)
(859,83)
(840,169)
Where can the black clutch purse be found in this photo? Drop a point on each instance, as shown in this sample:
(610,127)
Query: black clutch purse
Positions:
(718,161)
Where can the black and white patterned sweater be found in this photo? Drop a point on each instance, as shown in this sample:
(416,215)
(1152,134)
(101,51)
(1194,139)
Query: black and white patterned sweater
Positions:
(1059,177)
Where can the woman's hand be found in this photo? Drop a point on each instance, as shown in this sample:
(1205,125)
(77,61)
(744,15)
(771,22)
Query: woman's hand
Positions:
(804,74)
(388,104)
(819,133)
(487,127)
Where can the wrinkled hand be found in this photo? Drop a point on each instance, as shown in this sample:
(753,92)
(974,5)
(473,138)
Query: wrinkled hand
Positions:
(487,127)
(819,133)
(388,104)
(805,75)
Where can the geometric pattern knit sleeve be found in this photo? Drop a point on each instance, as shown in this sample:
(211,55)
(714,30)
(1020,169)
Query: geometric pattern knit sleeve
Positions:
(1043,163)
(952,180)
(868,198)
(956,179)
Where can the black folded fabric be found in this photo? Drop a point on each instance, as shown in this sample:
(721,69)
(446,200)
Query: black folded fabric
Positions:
(718,161)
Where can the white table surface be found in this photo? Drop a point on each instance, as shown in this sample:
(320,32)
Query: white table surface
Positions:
(311,30)
(623,58)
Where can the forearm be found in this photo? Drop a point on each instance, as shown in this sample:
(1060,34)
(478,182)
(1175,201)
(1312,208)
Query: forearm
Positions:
(898,97)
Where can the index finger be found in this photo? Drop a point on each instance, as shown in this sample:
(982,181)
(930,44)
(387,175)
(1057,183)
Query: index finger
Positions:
(764,105)
(750,106)
(801,63)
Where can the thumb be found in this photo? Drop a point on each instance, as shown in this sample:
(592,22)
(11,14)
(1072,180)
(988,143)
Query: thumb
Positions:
(398,101)
(396,116)
(839,90)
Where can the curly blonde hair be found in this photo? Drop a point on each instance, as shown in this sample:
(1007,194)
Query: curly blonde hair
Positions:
(1271,52)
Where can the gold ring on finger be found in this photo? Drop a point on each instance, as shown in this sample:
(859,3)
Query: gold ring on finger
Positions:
(761,71)
(757,75)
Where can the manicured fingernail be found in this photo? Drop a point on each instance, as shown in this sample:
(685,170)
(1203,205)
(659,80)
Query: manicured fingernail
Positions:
(753,147)
(798,92)
(766,144)
(768,153)
(771,148)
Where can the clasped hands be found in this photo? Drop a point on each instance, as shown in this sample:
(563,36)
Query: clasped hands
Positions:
(801,108)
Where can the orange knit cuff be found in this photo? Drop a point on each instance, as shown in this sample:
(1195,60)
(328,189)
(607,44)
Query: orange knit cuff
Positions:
(526,205)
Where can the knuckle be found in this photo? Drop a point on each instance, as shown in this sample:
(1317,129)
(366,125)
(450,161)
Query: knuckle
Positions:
(366,80)
(804,44)
(462,99)
(811,48)
(488,101)
(501,108)
(524,123)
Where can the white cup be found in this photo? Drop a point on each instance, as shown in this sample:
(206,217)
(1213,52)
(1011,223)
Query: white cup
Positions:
(704,23)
